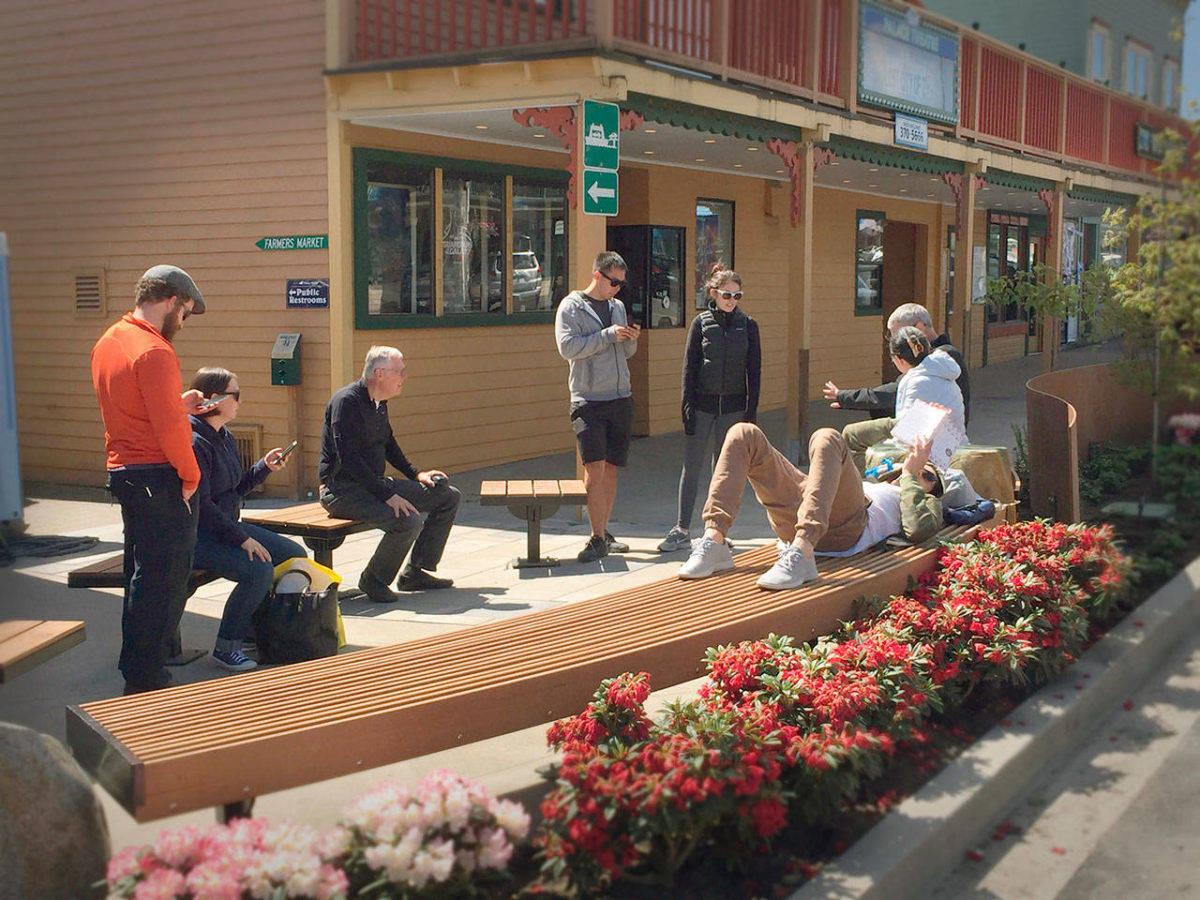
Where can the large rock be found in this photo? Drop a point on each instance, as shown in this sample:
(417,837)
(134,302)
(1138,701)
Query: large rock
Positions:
(53,836)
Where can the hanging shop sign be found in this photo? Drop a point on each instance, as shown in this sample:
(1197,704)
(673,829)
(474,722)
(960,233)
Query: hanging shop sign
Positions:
(906,64)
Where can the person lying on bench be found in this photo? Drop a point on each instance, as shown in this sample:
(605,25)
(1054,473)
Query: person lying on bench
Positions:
(356,442)
(239,551)
(829,510)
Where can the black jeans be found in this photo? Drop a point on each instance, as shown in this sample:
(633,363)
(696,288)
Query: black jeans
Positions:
(400,533)
(160,534)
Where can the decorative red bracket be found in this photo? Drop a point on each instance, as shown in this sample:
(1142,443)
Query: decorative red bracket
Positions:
(560,120)
(1046,195)
(953,180)
(789,153)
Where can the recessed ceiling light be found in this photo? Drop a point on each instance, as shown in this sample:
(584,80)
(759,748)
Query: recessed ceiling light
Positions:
(933,178)
(481,127)
(903,174)
(845,181)
(539,135)
(873,169)
(833,162)
(1010,193)
(872,185)
(779,171)
(751,149)
(904,190)
(650,130)
(648,152)
(929,195)
(737,165)
(699,159)
(710,140)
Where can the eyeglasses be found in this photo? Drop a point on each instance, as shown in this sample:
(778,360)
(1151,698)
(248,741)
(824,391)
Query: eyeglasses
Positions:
(730,295)
(615,282)
(236,395)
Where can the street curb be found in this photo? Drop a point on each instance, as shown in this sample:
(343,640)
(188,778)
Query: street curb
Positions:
(929,832)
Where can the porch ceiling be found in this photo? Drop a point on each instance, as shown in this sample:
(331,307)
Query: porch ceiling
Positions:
(656,143)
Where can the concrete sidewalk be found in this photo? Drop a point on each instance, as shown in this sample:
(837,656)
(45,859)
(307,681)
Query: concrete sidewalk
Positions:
(483,542)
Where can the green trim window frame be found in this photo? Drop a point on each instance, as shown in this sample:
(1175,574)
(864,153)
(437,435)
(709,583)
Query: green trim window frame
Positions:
(499,234)
(715,233)
(869,225)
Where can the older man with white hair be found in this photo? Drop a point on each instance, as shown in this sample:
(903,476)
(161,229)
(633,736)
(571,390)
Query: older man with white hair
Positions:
(881,401)
(356,442)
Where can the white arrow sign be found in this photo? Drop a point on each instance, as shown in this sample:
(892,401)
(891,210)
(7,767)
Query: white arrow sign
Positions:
(596,192)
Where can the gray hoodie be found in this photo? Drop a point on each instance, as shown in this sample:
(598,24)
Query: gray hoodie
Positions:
(599,370)
(932,380)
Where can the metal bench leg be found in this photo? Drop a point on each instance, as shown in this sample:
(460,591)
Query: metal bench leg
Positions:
(323,548)
(241,809)
(533,516)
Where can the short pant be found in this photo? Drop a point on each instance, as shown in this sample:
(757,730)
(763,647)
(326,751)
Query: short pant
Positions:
(602,428)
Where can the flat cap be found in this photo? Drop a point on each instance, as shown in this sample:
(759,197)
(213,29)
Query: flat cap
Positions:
(180,282)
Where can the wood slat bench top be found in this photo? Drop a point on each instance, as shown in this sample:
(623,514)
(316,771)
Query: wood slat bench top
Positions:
(220,741)
(110,573)
(27,643)
(502,493)
(306,517)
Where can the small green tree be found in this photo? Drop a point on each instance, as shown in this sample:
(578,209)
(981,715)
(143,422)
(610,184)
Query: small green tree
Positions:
(1157,292)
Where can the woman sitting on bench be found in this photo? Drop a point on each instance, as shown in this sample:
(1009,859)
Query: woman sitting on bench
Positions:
(241,552)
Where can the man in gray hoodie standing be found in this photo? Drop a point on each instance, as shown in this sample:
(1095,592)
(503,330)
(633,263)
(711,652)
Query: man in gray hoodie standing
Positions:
(595,338)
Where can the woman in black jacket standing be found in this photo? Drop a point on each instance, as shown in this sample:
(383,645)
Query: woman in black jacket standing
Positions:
(722,371)
(244,553)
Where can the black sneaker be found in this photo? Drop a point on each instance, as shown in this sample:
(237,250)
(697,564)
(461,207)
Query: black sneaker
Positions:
(615,546)
(596,548)
(376,590)
(420,580)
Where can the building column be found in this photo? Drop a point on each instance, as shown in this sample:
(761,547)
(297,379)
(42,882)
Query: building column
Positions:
(1054,200)
(964,188)
(341,252)
(801,158)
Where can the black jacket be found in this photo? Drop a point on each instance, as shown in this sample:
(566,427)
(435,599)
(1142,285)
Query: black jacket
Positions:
(881,401)
(223,482)
(356,442)
(722,366)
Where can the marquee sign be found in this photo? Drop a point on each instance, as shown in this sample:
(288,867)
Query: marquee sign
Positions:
(907,65)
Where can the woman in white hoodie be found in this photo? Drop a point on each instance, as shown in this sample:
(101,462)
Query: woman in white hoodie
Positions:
(925,374)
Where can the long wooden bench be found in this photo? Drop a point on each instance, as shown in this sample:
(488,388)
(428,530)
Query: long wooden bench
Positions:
(27,643)
(224,742)
(110,572)
(532,501)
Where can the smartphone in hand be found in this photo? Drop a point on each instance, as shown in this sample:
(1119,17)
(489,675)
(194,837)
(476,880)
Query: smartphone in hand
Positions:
(283,454)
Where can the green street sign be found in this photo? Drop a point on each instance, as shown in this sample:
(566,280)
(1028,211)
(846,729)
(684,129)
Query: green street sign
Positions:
(601,135)
(294,242)
(599,192)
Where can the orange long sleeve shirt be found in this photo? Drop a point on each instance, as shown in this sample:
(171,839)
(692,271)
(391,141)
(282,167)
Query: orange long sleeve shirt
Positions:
(136,375)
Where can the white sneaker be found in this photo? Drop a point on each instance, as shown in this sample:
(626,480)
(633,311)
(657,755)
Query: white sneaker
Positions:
(791,570)
(708,557)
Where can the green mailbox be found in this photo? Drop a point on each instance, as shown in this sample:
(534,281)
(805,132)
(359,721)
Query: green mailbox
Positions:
(285,359)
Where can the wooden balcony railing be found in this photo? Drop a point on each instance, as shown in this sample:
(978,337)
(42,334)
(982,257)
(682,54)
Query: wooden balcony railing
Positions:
(805,48)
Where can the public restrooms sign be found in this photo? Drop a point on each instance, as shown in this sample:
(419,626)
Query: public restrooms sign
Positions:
(906,64)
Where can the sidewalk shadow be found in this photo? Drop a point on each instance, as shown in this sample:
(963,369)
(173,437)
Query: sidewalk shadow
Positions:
(434,603)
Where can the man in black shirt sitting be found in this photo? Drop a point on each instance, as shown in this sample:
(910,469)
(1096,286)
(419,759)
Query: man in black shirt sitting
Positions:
(356,442)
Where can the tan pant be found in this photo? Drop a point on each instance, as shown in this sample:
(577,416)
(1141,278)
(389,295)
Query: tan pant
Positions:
(827,507)
(861,435)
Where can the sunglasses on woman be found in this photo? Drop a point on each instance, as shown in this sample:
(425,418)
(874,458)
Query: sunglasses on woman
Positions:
(730,295)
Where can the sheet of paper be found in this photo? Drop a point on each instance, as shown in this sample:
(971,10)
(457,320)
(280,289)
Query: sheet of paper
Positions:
(928,420)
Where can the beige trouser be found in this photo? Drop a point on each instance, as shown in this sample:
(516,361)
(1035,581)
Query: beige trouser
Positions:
(827,507)
(861,435)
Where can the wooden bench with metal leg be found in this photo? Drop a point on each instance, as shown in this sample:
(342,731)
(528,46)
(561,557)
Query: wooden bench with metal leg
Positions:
(532,501)
(223,742)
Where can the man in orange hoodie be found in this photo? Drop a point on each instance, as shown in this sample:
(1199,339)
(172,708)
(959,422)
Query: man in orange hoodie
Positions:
(151,468)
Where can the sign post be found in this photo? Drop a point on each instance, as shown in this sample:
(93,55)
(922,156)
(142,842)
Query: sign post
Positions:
(601,157)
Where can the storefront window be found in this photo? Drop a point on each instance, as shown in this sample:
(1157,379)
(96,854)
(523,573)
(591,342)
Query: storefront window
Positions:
(399,229)
(473,264)
(486,276)
(539,260)
(714,241)
(868,262)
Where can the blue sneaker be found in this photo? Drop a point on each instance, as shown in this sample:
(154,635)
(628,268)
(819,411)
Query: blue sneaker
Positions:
(229,656)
